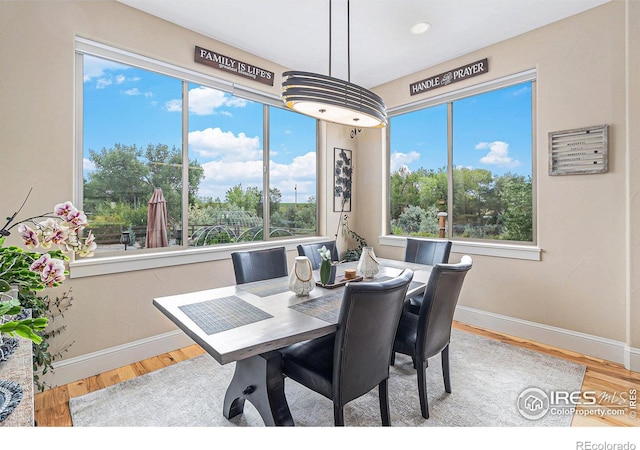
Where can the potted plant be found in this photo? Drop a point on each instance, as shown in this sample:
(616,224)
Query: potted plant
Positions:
(25,273)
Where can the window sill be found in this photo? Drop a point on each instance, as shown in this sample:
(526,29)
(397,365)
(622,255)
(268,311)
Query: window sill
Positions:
(151,260)
(500,250)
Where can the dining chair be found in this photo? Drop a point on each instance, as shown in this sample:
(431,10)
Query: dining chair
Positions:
(257,265)
(428,333)
(425,251)
(355,358)
(311,252)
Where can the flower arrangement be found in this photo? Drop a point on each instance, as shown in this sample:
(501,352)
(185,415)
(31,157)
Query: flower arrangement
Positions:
(326,267)
(24,273)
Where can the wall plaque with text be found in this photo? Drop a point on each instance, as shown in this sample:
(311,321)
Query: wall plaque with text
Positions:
(452,76)
(579,151)
(228,64)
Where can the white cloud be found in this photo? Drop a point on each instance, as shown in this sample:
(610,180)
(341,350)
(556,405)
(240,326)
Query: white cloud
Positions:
(96,68)
(132,91)
(498,154)
(224,145)
(204,101)
(88,165)
(173,105)
(398,159)
(295,179)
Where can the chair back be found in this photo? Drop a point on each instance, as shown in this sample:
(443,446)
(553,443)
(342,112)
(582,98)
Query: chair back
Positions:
(438,305)
(427,251)
(259,265)
(311,252)
(367,325)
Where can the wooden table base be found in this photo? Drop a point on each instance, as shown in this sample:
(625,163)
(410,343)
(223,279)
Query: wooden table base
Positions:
(259,379)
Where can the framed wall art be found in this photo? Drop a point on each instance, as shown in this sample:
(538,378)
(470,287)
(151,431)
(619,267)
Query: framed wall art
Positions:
(342,175)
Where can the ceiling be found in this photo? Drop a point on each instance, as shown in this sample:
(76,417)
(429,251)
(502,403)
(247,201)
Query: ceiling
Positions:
(295,33)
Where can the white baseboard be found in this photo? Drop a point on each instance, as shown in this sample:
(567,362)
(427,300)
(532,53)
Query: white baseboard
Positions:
(74,369)
(608,349)
(80,367)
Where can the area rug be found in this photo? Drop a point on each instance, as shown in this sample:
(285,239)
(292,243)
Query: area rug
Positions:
(487,378)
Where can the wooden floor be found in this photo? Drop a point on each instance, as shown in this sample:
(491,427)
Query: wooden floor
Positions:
(611,383)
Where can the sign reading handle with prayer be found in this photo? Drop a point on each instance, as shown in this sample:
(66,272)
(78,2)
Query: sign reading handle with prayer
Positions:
(221,62)
(452,76)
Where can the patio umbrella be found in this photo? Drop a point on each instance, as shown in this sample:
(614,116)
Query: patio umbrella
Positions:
(157,221)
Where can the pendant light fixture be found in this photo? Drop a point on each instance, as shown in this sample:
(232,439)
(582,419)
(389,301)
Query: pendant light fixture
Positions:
(332,99)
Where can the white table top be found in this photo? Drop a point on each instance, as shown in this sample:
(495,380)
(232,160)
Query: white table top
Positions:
(285,326)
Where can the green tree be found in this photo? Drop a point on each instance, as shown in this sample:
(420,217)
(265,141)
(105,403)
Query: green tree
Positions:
(516,198)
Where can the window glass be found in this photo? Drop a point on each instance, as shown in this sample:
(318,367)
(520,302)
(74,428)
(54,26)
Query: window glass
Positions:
(133,128)
(292,174)
(132,145)
(418,185)
(492,165)
(225,138)
(491,168)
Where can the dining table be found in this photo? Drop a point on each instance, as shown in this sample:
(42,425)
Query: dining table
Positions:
(247,323)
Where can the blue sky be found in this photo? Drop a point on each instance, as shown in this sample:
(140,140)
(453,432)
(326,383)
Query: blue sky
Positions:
(490,131)
(130,106)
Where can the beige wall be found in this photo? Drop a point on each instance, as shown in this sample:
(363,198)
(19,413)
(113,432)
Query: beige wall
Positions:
(37,145)
(581,284)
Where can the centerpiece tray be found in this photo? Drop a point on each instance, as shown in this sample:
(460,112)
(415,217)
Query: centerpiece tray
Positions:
(339,282)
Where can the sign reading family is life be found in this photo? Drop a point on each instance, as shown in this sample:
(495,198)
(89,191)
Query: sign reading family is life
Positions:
(452,76)
(228,64)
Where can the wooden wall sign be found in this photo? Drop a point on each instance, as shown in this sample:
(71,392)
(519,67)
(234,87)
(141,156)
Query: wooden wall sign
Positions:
(452,76)
(579,151)
(221,62)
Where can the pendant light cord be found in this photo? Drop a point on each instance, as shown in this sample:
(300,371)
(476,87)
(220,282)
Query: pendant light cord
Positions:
(348,40)
(329,37)
(348,44)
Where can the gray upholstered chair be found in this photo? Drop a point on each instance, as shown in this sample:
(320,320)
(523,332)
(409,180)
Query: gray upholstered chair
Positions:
(425,251)
(355,359)
(259,265)
(428,333)
(311,252)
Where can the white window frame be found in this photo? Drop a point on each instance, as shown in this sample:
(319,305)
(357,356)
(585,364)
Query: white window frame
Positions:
(526,251)
(101,265)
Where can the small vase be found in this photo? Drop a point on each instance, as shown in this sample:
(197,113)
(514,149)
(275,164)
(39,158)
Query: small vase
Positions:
(368,265)
(327,272)
(301,280)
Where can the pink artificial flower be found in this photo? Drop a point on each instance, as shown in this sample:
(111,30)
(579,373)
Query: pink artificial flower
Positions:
(55,232)
(39,264)
(64,209)
(29,236)
(53,272)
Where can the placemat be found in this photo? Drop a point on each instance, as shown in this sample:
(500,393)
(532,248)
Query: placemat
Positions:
(325,308)
(266,288)
(215,316)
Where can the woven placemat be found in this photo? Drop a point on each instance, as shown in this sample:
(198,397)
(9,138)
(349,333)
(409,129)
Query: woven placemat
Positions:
(325,308)
(267,287)
(215,316)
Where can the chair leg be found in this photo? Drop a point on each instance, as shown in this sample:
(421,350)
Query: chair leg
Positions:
(422,388)
(383,394)
(445,369)
(338,416)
